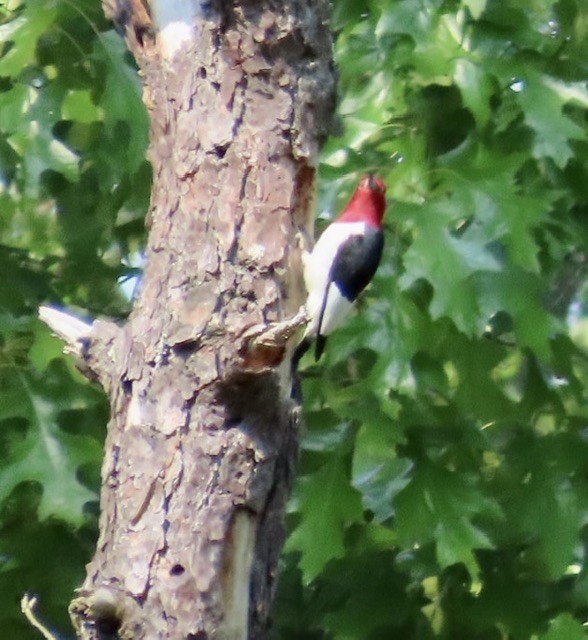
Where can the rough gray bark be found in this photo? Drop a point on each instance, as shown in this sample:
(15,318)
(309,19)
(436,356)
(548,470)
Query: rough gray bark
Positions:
(202,440)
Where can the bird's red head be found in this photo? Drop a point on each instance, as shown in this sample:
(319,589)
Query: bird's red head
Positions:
(368,203)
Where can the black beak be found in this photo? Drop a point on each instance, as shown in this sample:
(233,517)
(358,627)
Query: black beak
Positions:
(372,181)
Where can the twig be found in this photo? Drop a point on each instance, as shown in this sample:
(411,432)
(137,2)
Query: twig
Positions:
(27,606)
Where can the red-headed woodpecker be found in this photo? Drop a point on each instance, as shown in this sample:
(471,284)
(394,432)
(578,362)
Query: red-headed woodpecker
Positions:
(342,263)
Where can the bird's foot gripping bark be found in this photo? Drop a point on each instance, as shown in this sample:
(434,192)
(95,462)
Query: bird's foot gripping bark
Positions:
(263,347)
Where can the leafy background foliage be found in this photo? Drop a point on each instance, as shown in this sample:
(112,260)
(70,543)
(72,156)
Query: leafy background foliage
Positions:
(443,488)
(444,483)
(74,187)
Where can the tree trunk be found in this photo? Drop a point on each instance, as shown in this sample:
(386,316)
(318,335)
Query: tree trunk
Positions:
(202,440)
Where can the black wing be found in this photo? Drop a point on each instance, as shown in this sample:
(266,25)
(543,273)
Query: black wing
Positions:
(354,266)
(356,263)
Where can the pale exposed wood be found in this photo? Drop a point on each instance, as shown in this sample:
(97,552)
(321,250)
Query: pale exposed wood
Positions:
(73,331)
(174,22)
(94,346)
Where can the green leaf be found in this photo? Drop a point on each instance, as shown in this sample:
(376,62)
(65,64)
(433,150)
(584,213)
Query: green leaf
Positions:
(41,151)
(13,104)
(484,188)
(42,558)
(533,326)
(328,504)
(545,503)
(78,105)
(565,627)
(23,32)
(47,454)
(542,102)
(45,348)
(379,600)
(476,88)
(121,100)
(448,263)
(378,473)
(476,7)
(441,506)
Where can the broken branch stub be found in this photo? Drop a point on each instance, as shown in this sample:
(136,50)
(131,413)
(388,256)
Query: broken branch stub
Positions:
(93,346)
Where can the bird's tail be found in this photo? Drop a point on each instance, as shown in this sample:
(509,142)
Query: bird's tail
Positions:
(301,349)
(319,346)
(299,352)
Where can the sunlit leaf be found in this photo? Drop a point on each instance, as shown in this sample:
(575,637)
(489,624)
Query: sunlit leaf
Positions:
(442,506)
(565,627)
(121,100)
(46,454)
(543,107)
(328,505)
